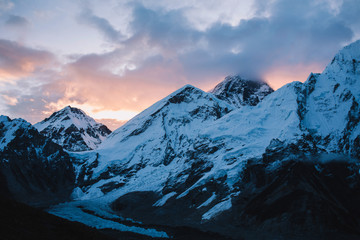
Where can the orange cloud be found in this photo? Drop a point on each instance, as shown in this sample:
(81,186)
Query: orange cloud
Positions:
(112,124)
(17,61)
(86,82)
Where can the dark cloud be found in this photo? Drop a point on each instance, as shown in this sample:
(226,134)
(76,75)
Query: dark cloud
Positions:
(17,21)
(100,24)
(18,61)
(167,51)
(170,31)
(349,13)
(34,96)
(285,34)
(295,33)
(6,5)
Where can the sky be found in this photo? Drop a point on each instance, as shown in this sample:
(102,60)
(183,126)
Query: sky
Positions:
(114,58)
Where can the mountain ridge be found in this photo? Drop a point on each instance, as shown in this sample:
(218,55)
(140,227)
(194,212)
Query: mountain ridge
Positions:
(294,154)
(205,166)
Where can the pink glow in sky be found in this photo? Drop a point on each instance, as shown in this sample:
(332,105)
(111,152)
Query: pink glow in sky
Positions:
(114,58)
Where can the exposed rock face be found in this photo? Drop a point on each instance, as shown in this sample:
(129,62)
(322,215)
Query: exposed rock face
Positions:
(34,169)
(241,92)
(73,129)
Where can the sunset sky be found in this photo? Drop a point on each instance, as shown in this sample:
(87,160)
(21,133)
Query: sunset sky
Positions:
(113,58)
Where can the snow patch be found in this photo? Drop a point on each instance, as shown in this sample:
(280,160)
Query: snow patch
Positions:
(74,213)
(217,209)
(207,202)
(163,200)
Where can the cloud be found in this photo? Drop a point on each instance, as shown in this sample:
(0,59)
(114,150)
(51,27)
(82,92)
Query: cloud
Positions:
(283,40)
(349,13)
(18,61)
(88,80)
(17,21)
(6,5)
(294,34)
(285,36)
(112,124)
(282,36)
(35,95)
(100,24)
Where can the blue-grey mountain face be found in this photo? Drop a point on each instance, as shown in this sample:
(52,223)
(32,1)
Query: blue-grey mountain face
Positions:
(33,169)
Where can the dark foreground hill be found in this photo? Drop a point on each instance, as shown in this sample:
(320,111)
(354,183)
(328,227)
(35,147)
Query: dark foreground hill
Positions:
(20,221)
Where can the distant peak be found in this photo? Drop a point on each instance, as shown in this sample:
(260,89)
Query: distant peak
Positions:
(69,109)
(236,81)
(73,129)
(237,77)
(239,91)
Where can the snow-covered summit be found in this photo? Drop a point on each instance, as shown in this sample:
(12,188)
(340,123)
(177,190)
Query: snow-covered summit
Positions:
(239,92)
(345,66)
(155,142)
(73,129)
(183,112)
(349,53)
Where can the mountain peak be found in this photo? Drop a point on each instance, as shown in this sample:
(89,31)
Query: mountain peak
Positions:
(72,110)
(241,92)
(347,59)
(343,73)
(351,51)
(185,108)
(73,129)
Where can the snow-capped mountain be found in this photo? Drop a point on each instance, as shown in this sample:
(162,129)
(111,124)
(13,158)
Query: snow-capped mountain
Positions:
(196,156)
(231,161)
(241,92)
(73,129)
(330,107)
(187,139)
(157,138)
(33,169)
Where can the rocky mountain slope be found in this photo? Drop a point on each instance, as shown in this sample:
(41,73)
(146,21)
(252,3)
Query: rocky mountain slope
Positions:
(33,169)
(241,92)
(73,129)
(195,156)
(158,138)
